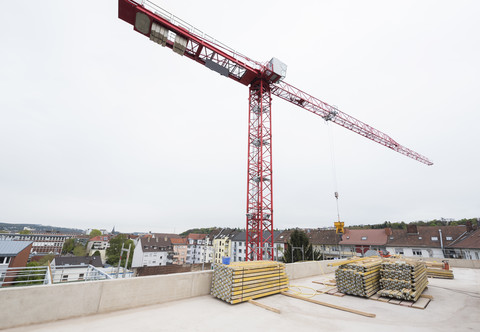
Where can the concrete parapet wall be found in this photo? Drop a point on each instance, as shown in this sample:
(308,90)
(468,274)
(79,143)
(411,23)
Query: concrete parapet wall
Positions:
(39,304)
(307,269)
(462,263)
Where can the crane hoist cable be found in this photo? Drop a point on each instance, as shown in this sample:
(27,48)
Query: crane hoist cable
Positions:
(334,167)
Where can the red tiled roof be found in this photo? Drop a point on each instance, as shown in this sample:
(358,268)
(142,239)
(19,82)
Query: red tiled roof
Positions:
(472,241)
(376,237)
(196,236)
(178,241)
(103,238)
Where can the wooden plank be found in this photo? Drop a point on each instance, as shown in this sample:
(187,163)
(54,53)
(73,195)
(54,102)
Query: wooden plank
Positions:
(394,301)
(406,303)
(338,294)
(263,286)
(375,297)
(332,291)
(421,303)
(264,306)
(427,296)
(352,261)
(324,291)
(324,283)
(262,291)
(353,311)
(258,295)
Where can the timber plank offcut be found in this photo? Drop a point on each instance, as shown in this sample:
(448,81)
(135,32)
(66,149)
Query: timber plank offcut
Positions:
(244,281)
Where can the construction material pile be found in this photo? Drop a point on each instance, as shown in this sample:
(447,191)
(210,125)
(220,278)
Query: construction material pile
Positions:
(438,270)
(243,281)
(359,277)
(403,279)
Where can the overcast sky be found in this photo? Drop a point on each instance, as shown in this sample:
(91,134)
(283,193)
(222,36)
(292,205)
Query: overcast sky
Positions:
(100,127)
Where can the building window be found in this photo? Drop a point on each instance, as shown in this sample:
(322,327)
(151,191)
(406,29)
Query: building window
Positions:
(65,277)
(419,237)
(81,276)
(417,252)
(399,251)
(364,238)
(434,238)
(449,238)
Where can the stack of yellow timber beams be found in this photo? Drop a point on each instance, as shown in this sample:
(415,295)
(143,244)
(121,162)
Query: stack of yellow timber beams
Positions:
(243,281)
(360,277)
(403,279)
(437,270)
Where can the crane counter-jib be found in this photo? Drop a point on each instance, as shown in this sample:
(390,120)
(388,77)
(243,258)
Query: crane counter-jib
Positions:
(169,31)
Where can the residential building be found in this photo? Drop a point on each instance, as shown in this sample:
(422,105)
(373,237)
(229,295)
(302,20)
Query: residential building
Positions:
(100,242)
(180,247)
(359,241)
(424,241)
(150,251)
(200,249)
(222,243)
(238,246)
(326,242)
(74,268)
(13,254)
(468,247)
(43,244)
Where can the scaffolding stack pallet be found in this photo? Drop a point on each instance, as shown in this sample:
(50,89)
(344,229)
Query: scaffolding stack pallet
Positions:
(360,277)
(244,281)
(403,279)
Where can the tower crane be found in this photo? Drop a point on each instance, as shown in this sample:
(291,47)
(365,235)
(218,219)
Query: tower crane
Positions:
(263,80)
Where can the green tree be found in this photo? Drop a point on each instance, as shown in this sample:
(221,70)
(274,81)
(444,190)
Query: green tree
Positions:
(95,232)
(298,239)
(79,250)
(113,252)
(68,246)
(46,259)
(25,231)
(96,253)
(33,276)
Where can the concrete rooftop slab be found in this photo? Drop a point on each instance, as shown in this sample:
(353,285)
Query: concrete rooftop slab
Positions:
(456,307)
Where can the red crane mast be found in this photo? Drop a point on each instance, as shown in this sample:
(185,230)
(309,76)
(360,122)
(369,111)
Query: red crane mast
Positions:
(263,80)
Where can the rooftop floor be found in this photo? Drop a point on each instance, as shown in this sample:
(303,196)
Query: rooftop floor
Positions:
(455,307)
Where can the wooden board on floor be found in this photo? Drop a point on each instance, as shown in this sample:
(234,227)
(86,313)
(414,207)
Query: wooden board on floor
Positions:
(406,303)
(421,303)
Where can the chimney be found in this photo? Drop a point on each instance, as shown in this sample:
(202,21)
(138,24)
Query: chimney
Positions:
(412,229)
(148,239)
(166,239)
(469,226)
(388,231)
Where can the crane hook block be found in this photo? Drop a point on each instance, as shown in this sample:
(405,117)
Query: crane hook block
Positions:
(339,227)
(336,195)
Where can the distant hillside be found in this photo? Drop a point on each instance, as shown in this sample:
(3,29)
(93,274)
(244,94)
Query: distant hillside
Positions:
(198,231)
(403,225)
(38,228)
